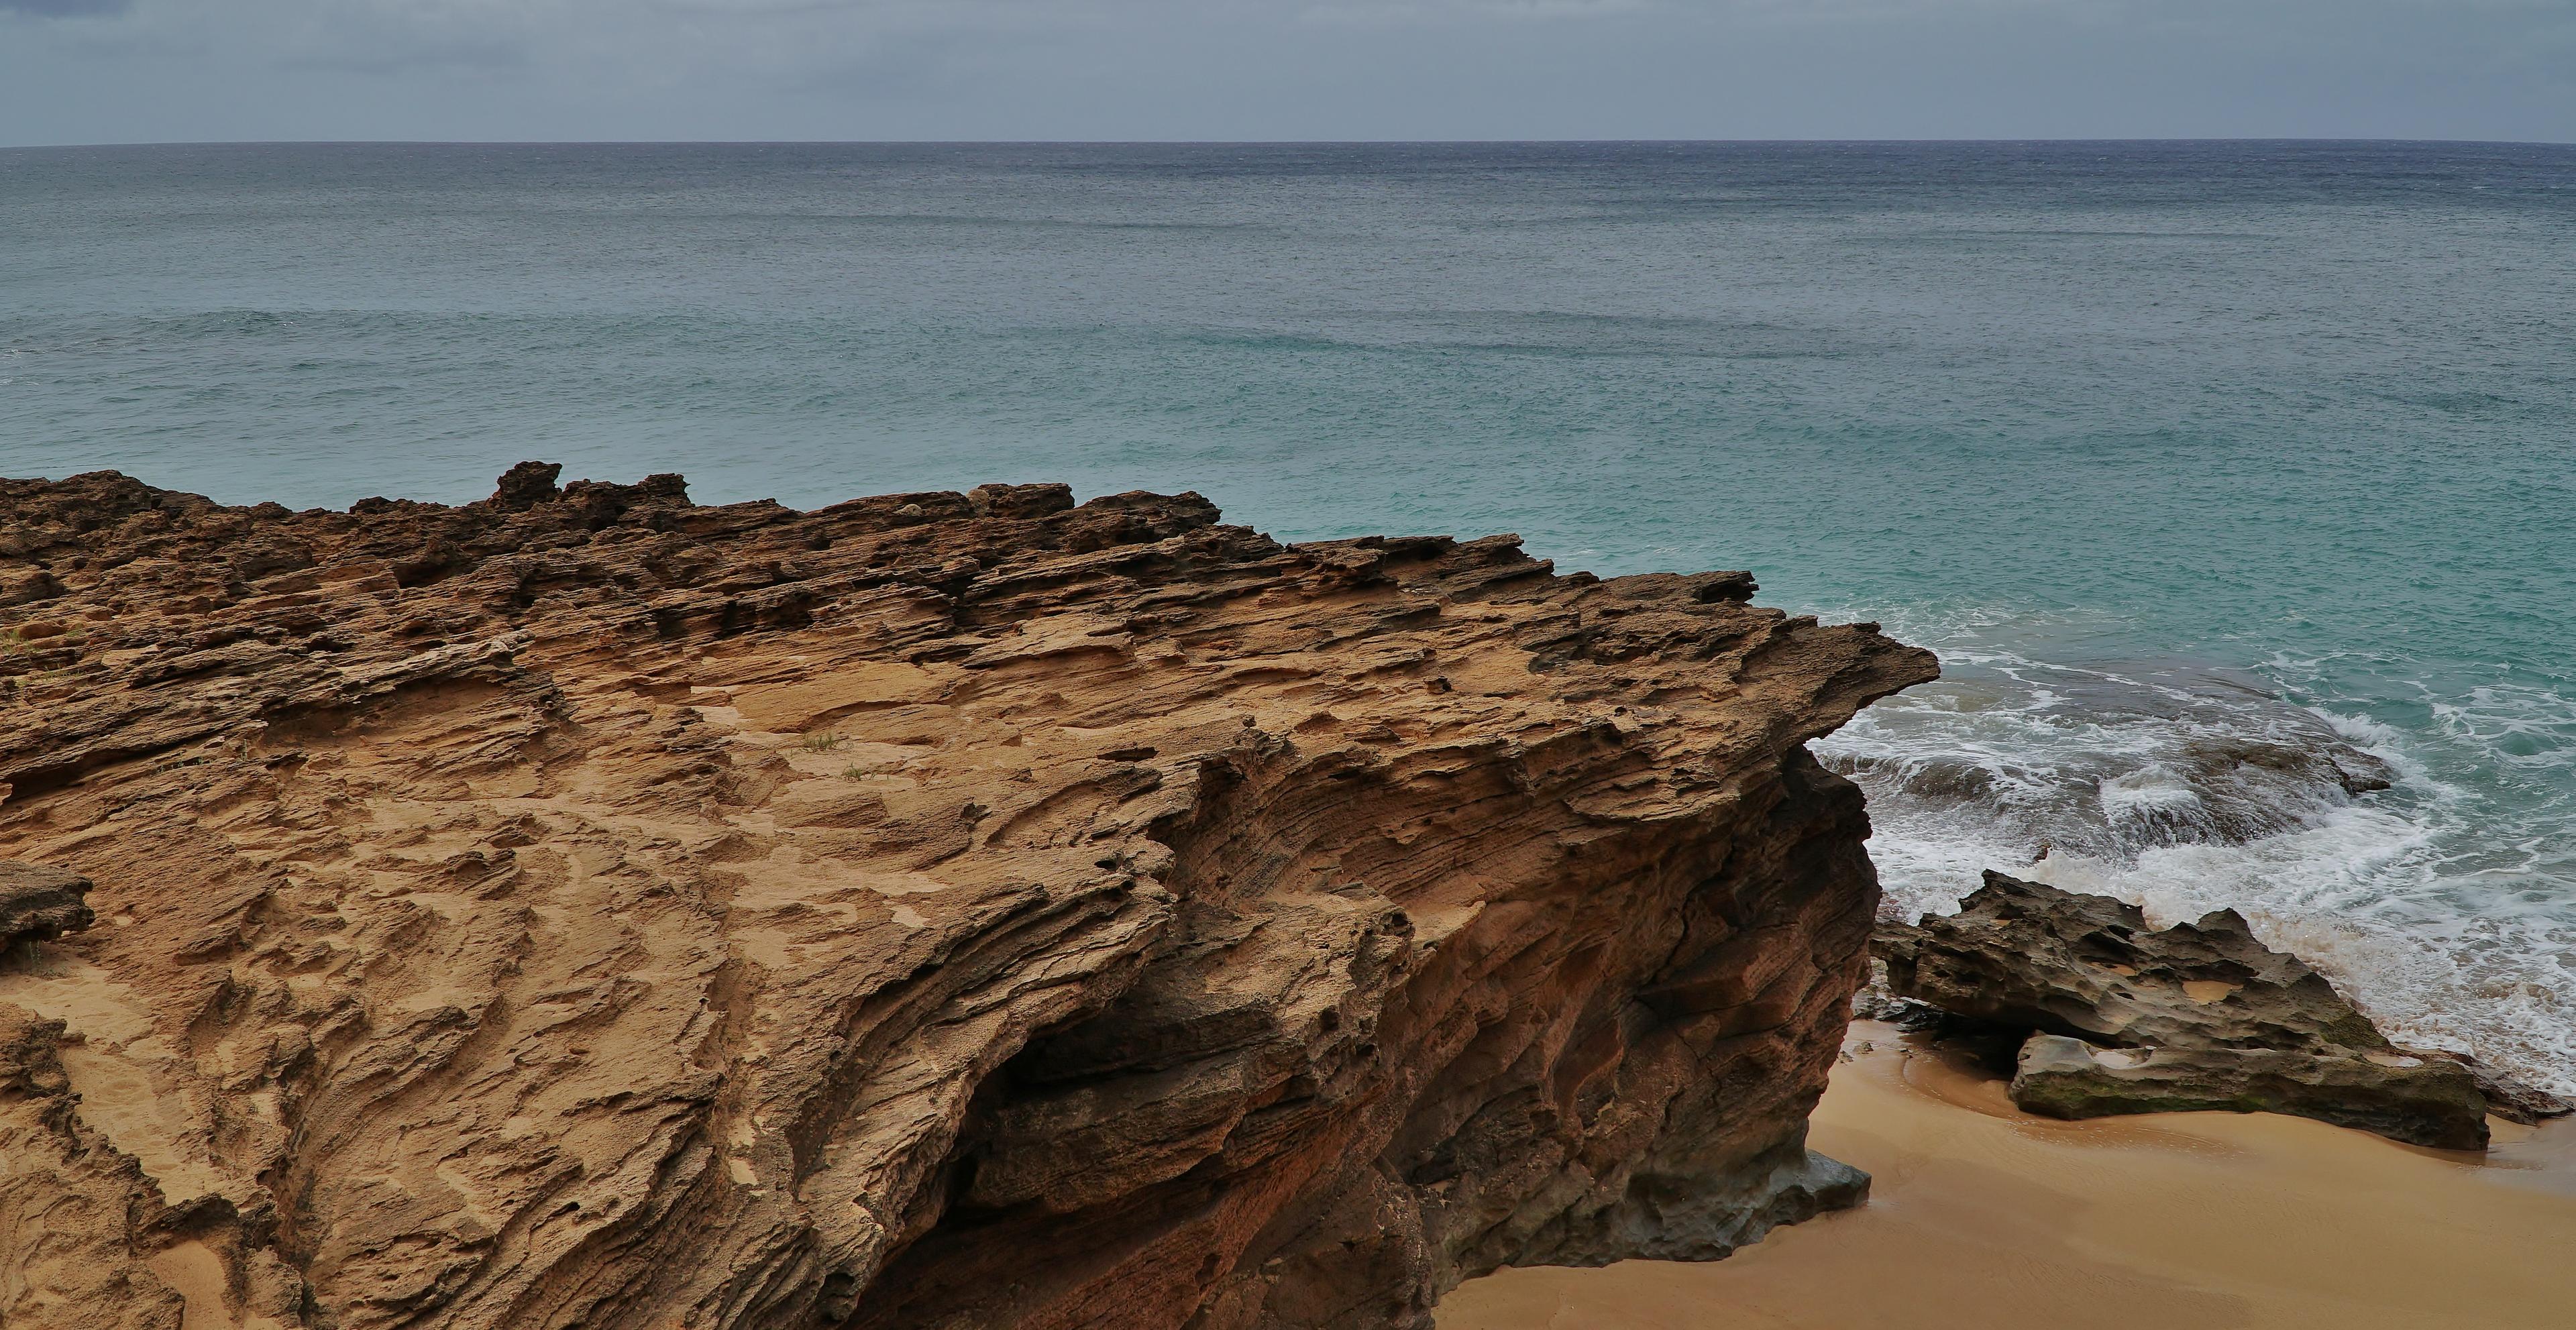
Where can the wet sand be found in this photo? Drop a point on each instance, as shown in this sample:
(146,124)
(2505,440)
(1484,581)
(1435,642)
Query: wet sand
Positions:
(1983,1217)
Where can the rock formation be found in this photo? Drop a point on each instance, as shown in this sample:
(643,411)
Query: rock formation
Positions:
(588,908)
(2124,1019)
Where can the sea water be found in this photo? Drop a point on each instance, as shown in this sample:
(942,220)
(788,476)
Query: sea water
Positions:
(2195,461)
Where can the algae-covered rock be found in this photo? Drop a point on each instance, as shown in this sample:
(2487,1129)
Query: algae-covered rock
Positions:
(2417,1100)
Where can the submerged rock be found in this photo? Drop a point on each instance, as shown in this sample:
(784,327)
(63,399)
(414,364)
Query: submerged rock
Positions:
(585,907)
(2201,757)
(2202,1015)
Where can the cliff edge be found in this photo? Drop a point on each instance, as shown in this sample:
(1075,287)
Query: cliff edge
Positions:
(589,908)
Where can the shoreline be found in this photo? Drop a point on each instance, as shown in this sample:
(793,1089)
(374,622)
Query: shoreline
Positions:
(1983,1216)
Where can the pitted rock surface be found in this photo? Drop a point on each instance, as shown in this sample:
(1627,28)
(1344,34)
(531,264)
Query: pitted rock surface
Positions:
(588,908)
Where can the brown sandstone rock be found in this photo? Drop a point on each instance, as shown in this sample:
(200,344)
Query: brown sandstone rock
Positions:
(68,1249)
(586,908)
(2199,1016)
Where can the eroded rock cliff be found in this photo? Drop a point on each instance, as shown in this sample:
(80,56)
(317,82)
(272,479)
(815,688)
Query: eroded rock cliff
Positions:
(586,908)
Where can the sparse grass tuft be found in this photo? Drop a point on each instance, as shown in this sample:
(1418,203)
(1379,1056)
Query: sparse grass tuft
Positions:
(19,641)
(820,743)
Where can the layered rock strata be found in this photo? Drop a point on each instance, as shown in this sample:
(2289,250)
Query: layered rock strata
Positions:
(588,908)
(2121,1018)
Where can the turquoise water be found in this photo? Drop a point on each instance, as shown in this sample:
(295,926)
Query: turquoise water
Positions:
(2170,449)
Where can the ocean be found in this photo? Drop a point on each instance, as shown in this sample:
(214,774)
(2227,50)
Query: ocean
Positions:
(2230,480)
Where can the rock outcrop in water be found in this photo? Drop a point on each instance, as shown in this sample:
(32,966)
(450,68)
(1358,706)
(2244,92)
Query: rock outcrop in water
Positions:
(586,908)
(2172,756)
(2124,1019)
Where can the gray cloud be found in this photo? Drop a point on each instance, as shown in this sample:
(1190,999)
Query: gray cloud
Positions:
(65,8)
(564,69)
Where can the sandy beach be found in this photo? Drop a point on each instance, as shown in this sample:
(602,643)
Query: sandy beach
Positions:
(1985,1217)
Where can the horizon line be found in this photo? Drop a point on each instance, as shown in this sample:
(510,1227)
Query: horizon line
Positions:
(1260,143)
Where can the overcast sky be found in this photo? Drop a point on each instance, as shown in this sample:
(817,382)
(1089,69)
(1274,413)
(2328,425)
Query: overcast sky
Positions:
(91,71)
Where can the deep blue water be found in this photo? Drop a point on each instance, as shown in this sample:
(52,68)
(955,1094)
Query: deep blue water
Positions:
(2164,446)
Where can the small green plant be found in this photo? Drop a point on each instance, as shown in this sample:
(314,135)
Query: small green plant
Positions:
(28,638)
(821,743)
(852,772)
